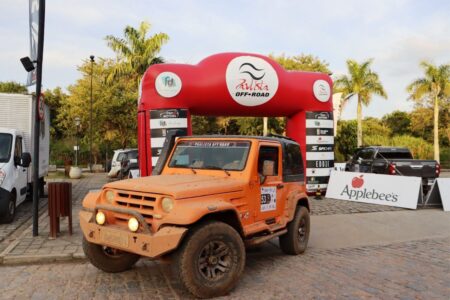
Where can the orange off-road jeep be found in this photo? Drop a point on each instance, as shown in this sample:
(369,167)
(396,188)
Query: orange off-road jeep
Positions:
(214,196)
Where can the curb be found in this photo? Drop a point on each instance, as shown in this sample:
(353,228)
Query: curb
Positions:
(27,259)
(43,258)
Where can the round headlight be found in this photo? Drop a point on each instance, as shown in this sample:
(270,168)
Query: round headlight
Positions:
(109,196)
(167,204)
(100,218)
(133,224)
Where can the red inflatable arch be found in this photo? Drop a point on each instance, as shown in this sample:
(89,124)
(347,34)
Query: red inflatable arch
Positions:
(238,84)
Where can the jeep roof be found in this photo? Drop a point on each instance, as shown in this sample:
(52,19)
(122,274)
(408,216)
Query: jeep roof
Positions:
(273,138)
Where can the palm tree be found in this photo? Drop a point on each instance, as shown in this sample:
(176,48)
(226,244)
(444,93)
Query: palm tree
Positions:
(361,82)
(434,88)
(136,52)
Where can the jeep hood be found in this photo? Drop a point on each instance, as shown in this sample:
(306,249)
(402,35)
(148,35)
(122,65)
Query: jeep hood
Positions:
(181,186)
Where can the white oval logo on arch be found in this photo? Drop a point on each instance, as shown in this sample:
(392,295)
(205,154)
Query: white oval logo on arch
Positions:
(251,80)
(322,90)
(168,84)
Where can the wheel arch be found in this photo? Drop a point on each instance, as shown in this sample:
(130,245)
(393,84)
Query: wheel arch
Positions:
(227,216)
(303,202)
(14,192)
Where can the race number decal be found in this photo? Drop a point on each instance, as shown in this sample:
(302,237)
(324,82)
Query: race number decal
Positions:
(268,198)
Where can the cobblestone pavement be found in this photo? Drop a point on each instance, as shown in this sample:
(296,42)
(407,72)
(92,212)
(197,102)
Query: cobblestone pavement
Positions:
(25,247)
(328,206)
(23,216)
(411,270)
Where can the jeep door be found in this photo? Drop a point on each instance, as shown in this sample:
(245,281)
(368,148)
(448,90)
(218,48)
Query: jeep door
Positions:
(271,190)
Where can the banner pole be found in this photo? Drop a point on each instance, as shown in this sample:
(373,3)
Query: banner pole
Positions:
(40,56)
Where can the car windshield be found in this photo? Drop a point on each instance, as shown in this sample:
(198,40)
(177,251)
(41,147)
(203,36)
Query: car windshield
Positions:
(132,154)
(394,155)
(5,147)
(212,155)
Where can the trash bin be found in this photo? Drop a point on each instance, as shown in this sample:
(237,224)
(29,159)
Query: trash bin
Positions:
(59,205)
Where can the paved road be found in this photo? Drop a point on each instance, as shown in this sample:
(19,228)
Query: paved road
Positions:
(409,270)
(378,261)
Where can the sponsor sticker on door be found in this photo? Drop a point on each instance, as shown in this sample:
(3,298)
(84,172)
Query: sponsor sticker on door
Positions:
(268,198)
(399,191)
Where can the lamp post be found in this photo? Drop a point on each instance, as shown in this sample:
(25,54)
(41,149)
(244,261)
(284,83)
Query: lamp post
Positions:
(77,147)
(90,116)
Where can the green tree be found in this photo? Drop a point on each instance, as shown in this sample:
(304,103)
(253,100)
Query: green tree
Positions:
(13,88)
(204,125)
(361,82)
(114,108)
(434,90)
(346,137)
(374,126)
(54,99)
(135,51)
(398,121)
(302,62)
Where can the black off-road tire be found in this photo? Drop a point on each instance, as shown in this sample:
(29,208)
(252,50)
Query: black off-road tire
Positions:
(211,260)
(108,259)
(10,211)
(296,239)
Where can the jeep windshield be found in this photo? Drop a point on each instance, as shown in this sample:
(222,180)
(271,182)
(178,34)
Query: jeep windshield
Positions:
(210,155)
(5,146)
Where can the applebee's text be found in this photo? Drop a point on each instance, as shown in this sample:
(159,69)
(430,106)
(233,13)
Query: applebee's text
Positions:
(368,194)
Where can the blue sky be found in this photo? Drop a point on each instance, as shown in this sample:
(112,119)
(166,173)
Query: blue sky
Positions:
(397,34)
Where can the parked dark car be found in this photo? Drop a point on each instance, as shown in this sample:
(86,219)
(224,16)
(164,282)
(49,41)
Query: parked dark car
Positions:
(129,162)
(394,161)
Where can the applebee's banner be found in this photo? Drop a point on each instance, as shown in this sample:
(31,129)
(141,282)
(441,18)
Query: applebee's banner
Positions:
(399,191)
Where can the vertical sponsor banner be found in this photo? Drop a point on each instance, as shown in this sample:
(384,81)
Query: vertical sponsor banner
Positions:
(34,26)
(160,121)
(319,149)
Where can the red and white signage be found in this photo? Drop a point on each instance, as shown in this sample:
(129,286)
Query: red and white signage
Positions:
(239,84)
(399,191)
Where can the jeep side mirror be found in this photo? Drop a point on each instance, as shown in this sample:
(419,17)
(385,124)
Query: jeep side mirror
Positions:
(262,179)
(268,168)
(25,160)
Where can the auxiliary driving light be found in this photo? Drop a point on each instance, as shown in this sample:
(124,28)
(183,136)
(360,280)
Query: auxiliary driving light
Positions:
(100,218)
(167,204)
(109,196)
(133,224)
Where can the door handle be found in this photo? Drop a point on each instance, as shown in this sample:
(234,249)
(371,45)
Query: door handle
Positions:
(280,186)
(24,170)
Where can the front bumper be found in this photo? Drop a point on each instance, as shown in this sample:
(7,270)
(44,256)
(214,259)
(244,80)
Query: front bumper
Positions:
(147,244)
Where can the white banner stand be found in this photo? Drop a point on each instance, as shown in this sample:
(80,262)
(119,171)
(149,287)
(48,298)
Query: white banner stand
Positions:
(439,194)
(398,191)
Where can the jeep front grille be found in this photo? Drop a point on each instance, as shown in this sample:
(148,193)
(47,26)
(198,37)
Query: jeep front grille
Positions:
(142,203)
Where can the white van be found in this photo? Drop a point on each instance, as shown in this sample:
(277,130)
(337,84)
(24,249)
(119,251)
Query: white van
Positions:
(117,161)
(16,136)
(14,163)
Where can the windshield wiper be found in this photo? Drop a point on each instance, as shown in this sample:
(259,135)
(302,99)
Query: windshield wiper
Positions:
(193,170)
(216,168)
